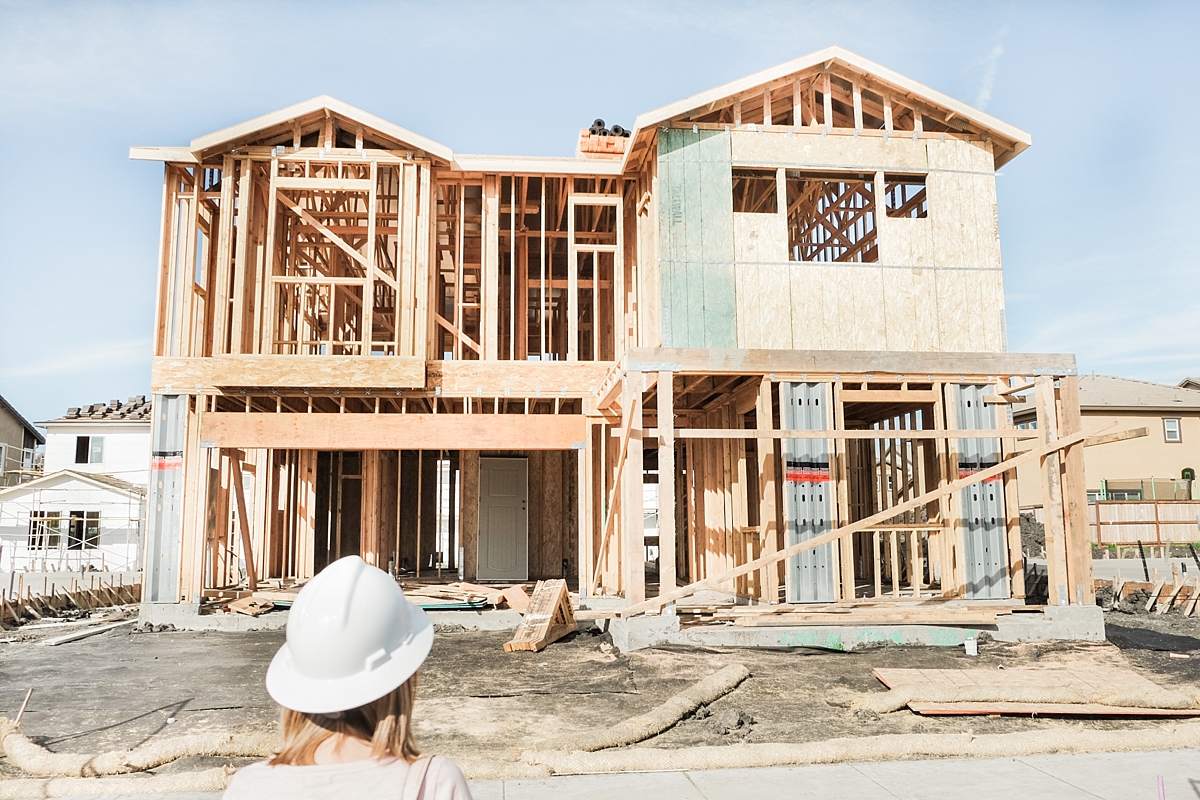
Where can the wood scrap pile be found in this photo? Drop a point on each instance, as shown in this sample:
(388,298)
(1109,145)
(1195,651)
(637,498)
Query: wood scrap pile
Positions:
(1037,691)
(466,596)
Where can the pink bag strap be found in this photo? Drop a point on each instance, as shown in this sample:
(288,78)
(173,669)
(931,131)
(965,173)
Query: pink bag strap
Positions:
(414,784)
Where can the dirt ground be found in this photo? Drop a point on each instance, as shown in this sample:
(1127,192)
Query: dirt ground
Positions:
(124,688)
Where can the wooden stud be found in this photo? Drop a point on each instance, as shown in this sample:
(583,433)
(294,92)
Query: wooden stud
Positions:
(666,481)
(1052,499)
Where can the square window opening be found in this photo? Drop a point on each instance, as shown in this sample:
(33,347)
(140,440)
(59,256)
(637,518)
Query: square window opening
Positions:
(831,218)
(905,196)
(754,191)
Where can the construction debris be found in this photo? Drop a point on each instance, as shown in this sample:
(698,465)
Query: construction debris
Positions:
(251,606)
(664,715)
(83,634)
(1109,687)
(548,619)
(33,759)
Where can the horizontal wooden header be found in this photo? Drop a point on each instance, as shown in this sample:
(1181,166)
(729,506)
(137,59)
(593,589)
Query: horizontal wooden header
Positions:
(881,364)
(187,375)
(393,431)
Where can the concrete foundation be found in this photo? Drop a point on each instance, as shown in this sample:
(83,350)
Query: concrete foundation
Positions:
(187,617)
(1076,623)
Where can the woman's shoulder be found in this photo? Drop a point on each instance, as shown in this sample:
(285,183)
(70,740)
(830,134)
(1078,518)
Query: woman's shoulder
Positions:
(446,780)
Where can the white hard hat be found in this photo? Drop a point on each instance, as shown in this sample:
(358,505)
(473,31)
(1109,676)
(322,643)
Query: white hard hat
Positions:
(351,639)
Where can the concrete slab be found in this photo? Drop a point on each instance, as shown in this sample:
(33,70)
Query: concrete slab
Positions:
(1072,623)
(186,617)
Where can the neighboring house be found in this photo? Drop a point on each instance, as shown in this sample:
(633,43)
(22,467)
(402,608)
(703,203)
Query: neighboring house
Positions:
(1159,466)
(100,439)
(1189,383)
(88,509)
(354,320)
(18,443)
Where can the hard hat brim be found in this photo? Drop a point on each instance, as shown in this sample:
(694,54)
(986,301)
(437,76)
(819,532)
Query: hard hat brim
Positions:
(292,690)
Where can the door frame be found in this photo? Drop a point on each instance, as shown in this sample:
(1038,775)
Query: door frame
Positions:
(479,564)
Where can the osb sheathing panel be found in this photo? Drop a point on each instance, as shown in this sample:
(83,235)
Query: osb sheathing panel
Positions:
(906,303)
(866,154)
(762,281)
(763,311)
(760,237)
(962,204)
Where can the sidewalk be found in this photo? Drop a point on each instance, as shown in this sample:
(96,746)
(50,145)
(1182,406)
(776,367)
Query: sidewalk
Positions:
(1112,776)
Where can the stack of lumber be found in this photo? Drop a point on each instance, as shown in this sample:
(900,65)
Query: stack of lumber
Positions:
(452,596)
(854,614)
(1040,691)
(548,619)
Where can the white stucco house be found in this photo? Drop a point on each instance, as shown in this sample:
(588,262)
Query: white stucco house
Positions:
(88,509)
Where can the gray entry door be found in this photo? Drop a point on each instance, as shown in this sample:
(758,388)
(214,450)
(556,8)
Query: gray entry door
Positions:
(984,540)
(807,504)
(503,519)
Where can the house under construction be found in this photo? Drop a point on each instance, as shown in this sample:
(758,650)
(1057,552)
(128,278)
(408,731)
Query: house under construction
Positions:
(779,302)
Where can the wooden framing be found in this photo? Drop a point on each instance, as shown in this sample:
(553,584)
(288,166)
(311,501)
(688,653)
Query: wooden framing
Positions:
(355,316)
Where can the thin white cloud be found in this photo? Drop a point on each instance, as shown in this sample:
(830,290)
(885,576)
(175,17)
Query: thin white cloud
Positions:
(101,355)
(991,63)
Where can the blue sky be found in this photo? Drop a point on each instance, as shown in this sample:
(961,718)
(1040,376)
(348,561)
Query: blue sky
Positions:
(1100,219)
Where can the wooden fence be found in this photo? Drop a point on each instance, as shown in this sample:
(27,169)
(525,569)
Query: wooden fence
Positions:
(1147,521)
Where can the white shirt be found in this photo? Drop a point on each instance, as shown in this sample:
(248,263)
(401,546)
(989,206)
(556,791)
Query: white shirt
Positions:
(362,780)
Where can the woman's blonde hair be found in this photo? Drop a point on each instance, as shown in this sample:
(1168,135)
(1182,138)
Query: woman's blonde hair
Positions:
(386,723)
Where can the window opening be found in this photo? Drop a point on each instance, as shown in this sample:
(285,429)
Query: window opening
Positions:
(89,449)
(904,196)
(831,218)
(84,533)
(45,530)
(754,191)
(1171,430)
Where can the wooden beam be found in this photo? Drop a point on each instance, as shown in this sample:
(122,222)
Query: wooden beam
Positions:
(883,433)
(666,482)
(1081,586)
(186,375)
(456,333)
(393,431)
(239,493)
(768,475)
(823,364)
(633,528)
(875,519)
(613,494)
(1051,478)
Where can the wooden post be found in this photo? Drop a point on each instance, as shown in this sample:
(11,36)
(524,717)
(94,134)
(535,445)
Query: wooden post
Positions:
(1081,588)
(632,525)
(239,493)
(586,527)
(490,312)
(666,481)
(1052,500)
(768,471)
